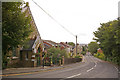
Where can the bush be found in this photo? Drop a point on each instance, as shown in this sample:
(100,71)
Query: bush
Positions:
(100,56)
(83,52)
(77,56)
(57,54)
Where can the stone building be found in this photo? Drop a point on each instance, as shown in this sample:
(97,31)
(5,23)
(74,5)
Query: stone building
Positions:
(29,55)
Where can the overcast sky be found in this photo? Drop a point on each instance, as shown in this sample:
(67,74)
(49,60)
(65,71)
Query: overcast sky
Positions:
(81,17)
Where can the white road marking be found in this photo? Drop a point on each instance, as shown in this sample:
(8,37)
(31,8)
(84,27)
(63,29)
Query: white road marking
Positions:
(74,75)
(81,73)
(90,69)
(116,68)
(95,65)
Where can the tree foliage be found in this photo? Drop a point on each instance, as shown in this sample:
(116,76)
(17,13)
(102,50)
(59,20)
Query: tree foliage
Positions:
(15,25)
(84,50)
(92,47)
(71,43)
(108,35)
(57,54)
(100,55)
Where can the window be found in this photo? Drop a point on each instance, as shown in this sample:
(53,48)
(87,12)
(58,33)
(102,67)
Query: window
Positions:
(21,55)
(26,55)
(13,51)
(39,50)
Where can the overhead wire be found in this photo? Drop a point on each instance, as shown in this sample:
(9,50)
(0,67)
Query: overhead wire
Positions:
(54,19)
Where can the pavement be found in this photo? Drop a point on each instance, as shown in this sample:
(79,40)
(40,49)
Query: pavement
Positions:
(27,70)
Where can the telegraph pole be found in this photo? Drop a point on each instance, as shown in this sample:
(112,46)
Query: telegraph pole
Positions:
(76,44)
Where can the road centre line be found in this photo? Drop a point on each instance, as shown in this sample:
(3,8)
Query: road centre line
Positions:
(71,76)
(94,66)
(74,75)
(80,73)
(90,69)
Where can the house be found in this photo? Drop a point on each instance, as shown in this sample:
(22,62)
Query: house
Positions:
(99,50)
(67,47)
(79,49)
(49,44)
(61,46)
(29,55)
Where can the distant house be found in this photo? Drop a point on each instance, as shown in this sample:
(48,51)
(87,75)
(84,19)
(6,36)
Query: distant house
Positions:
(67,47)
(83,44)
(61,46)
(49,44)
(29,54)
(79,49)
(99,50)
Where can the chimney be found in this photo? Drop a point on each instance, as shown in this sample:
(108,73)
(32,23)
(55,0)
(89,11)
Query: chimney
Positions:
(66,42)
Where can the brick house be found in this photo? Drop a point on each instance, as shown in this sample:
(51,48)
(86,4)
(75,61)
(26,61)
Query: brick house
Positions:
(67,47)
(48,44)
(99,50)
(79,49)
(52,43)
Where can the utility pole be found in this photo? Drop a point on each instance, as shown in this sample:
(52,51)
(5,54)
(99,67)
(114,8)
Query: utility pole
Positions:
(76,44)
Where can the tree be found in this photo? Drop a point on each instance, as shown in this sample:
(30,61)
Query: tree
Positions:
(57,54)
(71,43)
(84,49)
(15,26)
(108,35)
(92,47)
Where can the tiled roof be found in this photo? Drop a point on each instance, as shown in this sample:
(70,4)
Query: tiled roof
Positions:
(51,42)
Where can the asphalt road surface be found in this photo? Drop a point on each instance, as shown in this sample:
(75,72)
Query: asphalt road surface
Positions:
(91,67)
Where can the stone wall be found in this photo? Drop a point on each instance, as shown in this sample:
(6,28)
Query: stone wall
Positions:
(72,60)
(27,62)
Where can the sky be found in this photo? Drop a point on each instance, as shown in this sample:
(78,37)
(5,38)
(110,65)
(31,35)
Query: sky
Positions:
(80,17)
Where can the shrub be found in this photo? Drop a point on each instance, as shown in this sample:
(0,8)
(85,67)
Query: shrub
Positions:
(77,56)
(83,52)
(57,54)
(100,55)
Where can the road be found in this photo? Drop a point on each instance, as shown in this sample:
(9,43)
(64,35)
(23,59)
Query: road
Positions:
(91,67)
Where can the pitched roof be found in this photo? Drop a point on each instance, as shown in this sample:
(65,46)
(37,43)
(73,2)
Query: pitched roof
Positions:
(51,42)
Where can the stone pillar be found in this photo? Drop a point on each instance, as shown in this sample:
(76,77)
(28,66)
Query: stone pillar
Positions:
(51,61)
(34,63)
(62,60)
(41,59)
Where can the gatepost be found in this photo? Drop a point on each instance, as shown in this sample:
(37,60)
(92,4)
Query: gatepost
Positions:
(43,54)
(59,62)
(33,60)
(62,60)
